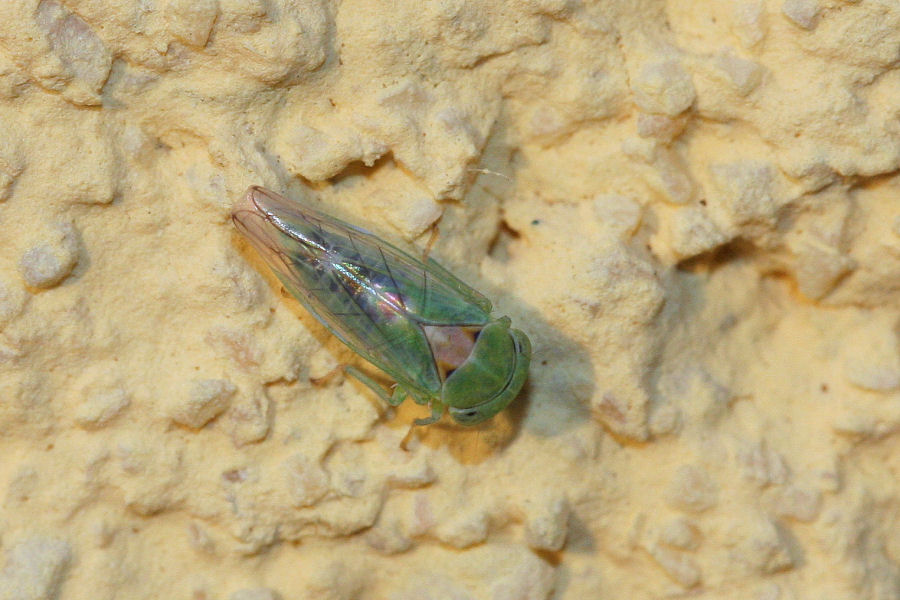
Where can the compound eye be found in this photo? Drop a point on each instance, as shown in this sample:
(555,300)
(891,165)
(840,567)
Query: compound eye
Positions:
(466,415)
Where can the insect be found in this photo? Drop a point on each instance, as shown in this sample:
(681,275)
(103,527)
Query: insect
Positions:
(432,333)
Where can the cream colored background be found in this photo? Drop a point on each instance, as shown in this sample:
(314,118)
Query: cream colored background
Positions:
(691,208)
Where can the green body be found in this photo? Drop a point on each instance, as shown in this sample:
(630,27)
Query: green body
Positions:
(391,309)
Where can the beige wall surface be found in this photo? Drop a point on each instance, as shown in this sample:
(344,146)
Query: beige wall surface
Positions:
(692,208)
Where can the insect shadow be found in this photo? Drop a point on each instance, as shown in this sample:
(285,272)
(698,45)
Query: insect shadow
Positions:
(554,399)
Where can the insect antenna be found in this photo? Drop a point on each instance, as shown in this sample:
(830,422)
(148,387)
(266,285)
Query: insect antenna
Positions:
(489,172)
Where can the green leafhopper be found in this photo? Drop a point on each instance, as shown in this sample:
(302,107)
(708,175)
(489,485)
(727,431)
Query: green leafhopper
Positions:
(432,333)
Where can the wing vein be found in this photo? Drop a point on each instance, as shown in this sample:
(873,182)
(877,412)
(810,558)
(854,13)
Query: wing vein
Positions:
(340,280)
(394,281)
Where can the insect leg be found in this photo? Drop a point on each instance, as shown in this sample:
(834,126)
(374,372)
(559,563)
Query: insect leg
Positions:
(372,385)
(398,396)
(437,411)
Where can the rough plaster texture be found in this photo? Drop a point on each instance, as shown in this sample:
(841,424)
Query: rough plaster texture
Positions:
(691,207)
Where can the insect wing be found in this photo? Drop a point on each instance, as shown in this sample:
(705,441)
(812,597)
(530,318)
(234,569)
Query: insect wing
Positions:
(424,292)
(370,294)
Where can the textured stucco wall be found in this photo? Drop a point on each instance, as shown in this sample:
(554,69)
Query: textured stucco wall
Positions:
(693,209)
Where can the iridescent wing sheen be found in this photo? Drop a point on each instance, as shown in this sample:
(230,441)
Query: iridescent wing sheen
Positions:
(372,295)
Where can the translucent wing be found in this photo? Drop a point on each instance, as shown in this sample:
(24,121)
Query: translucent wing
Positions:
(372,295)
